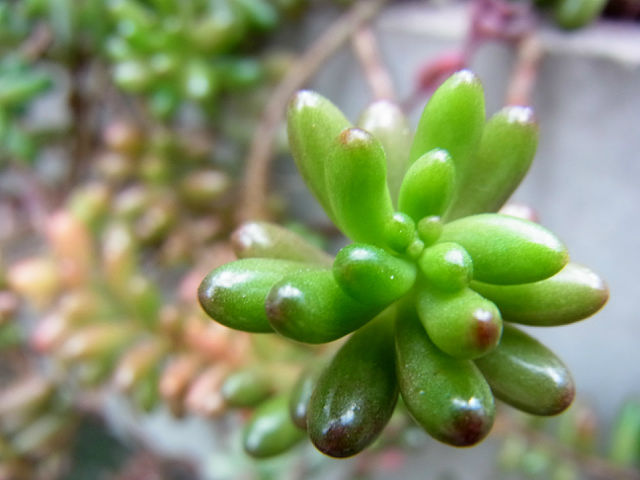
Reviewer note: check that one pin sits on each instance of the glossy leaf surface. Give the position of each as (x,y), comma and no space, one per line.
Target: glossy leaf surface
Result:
(428,186)
(527,375)
(313,122)
(310,307)
(234,294)
(452,120)
(356,394)
(371,275)
(507,250)
(503,157)
(462,324)
(447,397)
(574,293)
(356,178)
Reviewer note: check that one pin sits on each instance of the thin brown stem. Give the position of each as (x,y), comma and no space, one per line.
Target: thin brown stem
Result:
(261,149)
(365,47)
(524,75)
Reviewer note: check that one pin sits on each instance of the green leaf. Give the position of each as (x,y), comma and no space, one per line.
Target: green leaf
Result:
(356,394)
(447,397)
(462,324)
(302,391)
(447,266)
(268,240)
(270,430)
(246,387)
(527,375)
(570,295)
(311,307)
(370,274)
(356,177)
(506,150)
(234,294)
(385,121)
(507,250)
(428,186)
(313,122)
(452,120)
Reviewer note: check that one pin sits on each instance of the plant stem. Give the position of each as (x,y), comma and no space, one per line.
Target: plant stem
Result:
(525,72)
(365,47)
(253,205)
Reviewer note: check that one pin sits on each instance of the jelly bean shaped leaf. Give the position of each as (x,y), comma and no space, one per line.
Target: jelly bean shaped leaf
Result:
(234,294)
(311,307)
(507,250)
(313,122)
(452,120)
(428,185)
(301,393)
(505,152)
(462,324)
(527,375)
(370,274)
(447,266)
(356,394)
(247,387)
(356,179)
(385,121)
(574,293)
(268,240)
(448,397)
(270,430)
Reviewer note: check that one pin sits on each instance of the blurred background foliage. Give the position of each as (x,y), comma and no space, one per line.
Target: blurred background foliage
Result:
(124,129)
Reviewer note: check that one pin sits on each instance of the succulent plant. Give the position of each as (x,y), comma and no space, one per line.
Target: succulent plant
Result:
(433,282)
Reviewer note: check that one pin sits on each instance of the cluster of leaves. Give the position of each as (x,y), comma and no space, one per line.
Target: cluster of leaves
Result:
(175,51)
(426,288)
(105,319)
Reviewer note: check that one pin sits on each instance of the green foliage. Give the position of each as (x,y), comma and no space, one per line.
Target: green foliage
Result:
(443,268)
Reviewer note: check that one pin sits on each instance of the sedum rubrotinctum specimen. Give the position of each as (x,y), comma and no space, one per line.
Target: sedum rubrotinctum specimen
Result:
(431,286)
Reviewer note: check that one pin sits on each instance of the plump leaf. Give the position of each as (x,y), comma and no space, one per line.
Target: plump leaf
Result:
(452,120)
(313,122)
(574,293)
(356,179)
(527,375)
(428,186)
(234,294)
(356,394)
(370,274)
(505,152)
(447,397)
(507,250)
(311,307)
(463,324)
